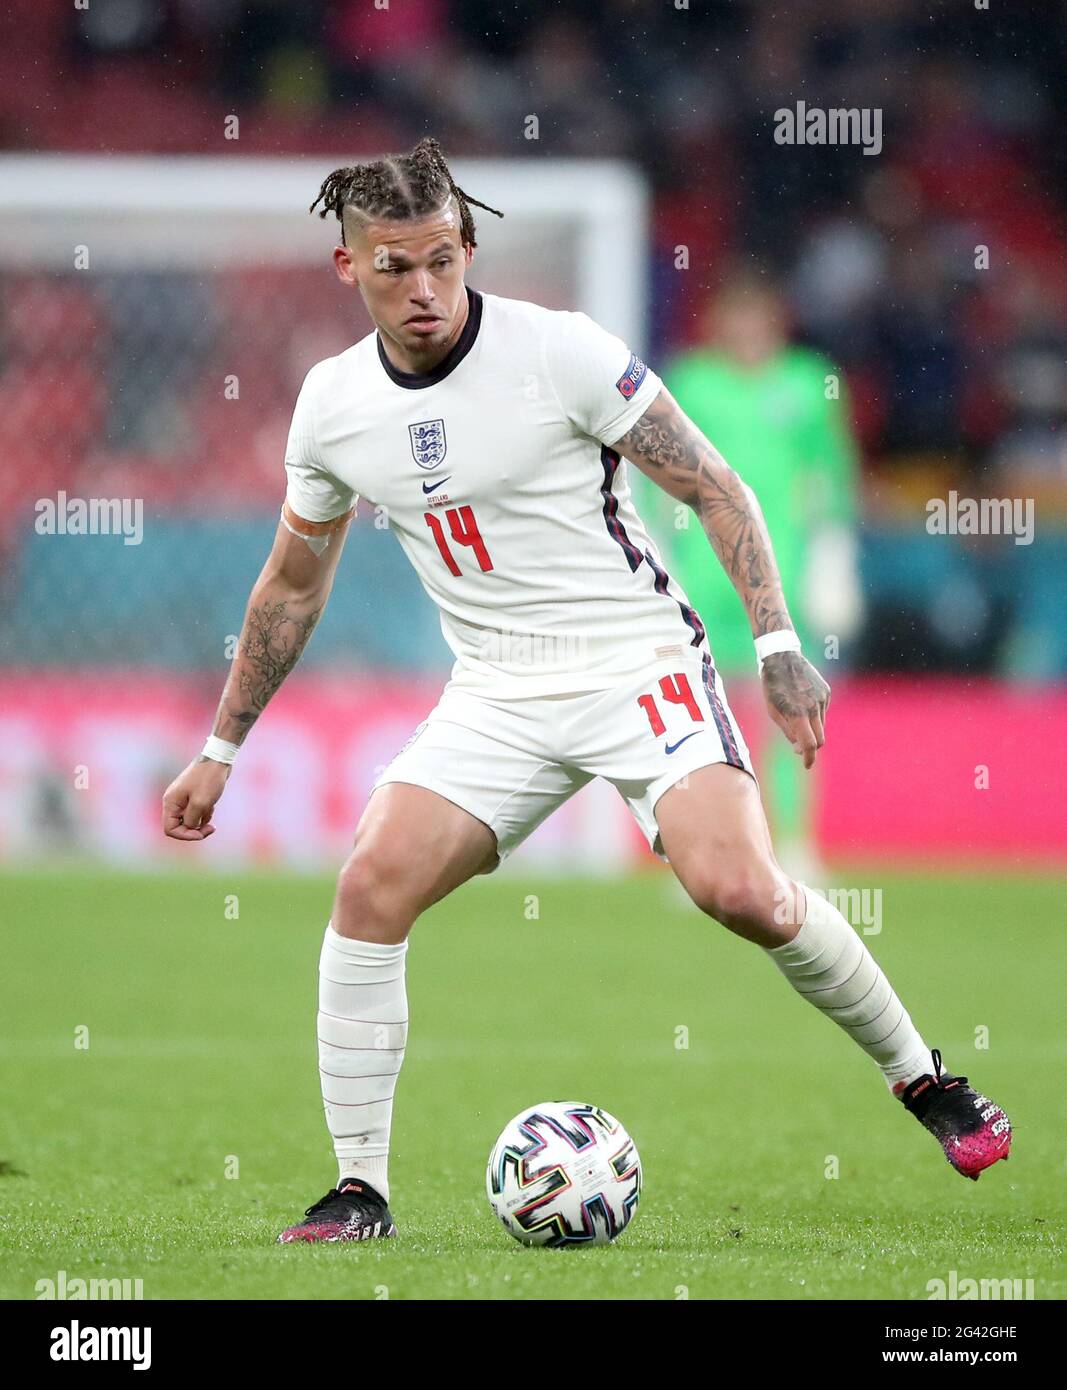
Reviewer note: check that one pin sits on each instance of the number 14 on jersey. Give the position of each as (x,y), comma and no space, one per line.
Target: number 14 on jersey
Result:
(464,531)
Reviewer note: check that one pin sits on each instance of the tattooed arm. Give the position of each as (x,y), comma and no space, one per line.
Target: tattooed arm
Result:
(668,447)
(285,604)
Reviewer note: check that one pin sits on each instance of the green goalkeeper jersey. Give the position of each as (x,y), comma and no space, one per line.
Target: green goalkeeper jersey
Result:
(783,428)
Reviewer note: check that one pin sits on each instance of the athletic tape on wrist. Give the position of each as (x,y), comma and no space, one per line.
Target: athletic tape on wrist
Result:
(218,750)
(770,643)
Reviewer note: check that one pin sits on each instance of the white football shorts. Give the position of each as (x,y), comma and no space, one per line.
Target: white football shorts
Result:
(512,762)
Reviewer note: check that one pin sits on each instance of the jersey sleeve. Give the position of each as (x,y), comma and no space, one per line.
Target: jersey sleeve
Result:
(312,491)
(603,387)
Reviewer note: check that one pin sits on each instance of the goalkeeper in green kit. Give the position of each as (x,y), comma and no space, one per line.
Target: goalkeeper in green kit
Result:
(779,414)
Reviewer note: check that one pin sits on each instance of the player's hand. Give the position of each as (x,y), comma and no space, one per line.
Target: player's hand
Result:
(797,697)
(189,801)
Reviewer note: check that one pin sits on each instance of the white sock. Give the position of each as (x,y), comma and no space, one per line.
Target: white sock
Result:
(828,963)
(362,1022)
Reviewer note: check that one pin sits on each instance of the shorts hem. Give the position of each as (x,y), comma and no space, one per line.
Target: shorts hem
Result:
(663,784)
(410,780)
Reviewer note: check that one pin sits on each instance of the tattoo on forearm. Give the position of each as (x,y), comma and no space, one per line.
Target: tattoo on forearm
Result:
(665,442)
(657,439)
(271,645)
(734,524)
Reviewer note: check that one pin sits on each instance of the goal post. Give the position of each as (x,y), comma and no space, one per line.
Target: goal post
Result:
(574,232)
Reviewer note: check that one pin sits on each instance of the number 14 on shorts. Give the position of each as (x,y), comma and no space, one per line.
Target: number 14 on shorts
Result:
(673,690)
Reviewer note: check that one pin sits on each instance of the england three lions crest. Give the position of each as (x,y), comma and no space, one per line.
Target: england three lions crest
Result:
(428,443)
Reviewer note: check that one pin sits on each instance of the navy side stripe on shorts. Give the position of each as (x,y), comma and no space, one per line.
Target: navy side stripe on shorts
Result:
(722,720)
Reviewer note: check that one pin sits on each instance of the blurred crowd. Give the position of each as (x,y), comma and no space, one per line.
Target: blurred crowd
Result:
(931,276)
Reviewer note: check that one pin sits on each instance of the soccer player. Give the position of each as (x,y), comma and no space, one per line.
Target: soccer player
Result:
(493,433)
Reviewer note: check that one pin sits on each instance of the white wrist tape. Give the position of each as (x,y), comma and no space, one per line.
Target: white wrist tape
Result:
(219,751)
(784,640)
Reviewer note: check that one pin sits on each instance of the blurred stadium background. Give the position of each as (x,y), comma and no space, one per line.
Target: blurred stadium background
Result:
(162,293)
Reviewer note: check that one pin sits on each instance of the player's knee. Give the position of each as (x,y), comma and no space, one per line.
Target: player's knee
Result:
(370,897)
(740,898)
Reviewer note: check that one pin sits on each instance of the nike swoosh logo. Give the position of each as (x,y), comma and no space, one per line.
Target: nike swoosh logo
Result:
(432,487)
(673,747)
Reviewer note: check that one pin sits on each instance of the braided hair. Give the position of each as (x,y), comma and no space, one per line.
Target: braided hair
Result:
(399,186)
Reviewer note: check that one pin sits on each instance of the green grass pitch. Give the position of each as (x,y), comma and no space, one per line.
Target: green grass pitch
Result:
(114,1158)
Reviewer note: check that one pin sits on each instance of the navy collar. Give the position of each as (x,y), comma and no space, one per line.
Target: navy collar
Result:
(416,381)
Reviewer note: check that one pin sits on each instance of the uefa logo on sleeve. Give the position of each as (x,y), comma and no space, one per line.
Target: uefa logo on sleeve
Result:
(632,377)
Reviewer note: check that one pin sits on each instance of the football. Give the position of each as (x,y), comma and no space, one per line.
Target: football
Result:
(564,1173)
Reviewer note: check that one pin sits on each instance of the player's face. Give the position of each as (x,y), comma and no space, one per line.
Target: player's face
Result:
(411,277)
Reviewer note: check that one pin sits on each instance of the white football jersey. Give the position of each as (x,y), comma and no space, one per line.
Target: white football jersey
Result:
(496,472)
